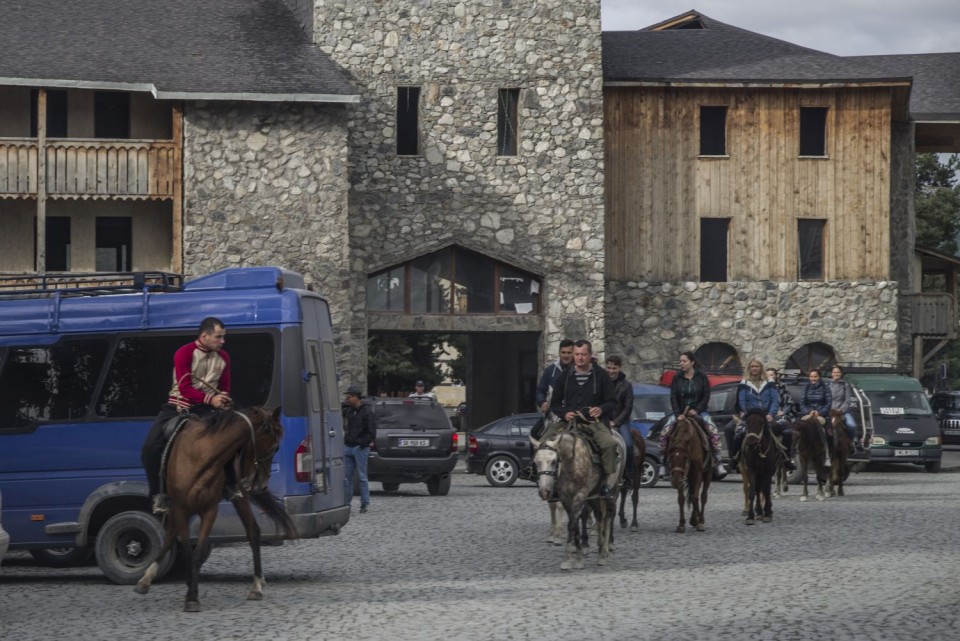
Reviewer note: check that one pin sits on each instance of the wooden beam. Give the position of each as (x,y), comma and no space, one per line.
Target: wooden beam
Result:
(41,239)
(176,260)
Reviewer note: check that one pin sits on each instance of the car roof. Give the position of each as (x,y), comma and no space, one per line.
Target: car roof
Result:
(715,379)
(885,382)
(646,389)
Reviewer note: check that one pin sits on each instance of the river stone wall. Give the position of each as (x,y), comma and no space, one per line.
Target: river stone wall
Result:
(651,323)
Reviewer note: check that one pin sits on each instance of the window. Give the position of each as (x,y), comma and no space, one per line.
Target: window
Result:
(810,249)
(430,283)
(713,249)
(713,131)
(507,123)
(719,358)
(385,290)
(408,121)
(473,291)
(58,244)
(50,383)
(114,240)
(111,114)
(56,113)
(813,131)
(812,356)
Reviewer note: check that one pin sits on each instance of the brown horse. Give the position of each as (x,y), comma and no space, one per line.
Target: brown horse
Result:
(810,454)
(841,450)
(759,457)
(195,480)
(690,471)
(635,477)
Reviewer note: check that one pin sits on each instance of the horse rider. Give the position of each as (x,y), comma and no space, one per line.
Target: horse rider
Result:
(756,391)
(840,394)
(585,386)
(784,417)
(201,386)
(623,391)
(815,403)
(551,372)
(690,396)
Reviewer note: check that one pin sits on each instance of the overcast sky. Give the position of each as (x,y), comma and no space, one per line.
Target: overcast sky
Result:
(842,27)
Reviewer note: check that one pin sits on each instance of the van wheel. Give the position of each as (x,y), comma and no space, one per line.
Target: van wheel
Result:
(127,544)
(795,476)
(439,485)
(932,466)
(61,557)
(390,487)
(650,474)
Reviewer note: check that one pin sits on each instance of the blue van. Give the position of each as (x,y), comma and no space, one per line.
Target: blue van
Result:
(85,364)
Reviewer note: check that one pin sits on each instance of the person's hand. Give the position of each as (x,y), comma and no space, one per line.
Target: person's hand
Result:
(595,412)
(770,418)
(220,401)
(569,416)
(692,413)
(544,406)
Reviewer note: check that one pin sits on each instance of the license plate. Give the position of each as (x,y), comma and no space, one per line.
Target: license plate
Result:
(906,452)
(413,442)
(951,432)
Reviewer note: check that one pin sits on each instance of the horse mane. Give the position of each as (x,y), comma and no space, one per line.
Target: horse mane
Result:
(755,411)
(218,421)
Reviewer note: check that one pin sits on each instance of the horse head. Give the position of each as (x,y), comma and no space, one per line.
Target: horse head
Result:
(266,432)
(678,454)
(546,460)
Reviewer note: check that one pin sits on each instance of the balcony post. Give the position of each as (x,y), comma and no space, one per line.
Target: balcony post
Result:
(176,260)
(41,239)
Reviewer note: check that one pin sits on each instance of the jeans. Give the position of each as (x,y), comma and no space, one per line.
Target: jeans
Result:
(355,458)
(628,444)
(851,425)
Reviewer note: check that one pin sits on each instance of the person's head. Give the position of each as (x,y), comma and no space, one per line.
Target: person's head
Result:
(687,362)
(814,376)
(773,374)
(755,371)
(419,387)
(836,372)
(212,334)
(582,351)
(566,351)
(354,396)
(614,363)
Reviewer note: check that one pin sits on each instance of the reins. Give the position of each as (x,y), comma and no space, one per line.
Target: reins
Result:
(248,481)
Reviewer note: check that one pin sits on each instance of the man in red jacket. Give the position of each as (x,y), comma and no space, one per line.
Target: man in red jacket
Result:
(201,385)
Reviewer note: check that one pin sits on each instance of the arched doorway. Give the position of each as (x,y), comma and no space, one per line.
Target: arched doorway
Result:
(719,358)
(812,356)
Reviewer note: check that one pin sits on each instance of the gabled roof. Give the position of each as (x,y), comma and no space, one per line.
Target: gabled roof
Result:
(186,49)
(695,49)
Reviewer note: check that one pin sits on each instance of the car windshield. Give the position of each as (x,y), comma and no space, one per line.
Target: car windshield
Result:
(411,415)
(651,408)
(948,402)
(899,403)
(720,400)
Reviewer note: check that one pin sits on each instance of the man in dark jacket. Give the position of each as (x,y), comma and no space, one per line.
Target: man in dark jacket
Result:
(623,392)
(584,387)
(551,372)
(359,430)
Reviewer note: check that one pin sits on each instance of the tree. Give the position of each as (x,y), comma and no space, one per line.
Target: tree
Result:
(397,360)
(937,202)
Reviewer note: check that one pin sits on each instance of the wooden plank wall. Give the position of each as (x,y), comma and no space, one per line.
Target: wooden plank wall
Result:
(657,187)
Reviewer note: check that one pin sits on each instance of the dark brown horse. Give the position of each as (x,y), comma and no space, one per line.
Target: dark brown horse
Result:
(841,451)
(810,454)
(635,477)
(759,457)
(195,480)
(690,471)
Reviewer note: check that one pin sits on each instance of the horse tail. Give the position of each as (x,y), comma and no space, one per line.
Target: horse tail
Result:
(275,511)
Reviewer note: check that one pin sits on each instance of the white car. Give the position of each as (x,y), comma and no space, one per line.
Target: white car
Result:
(4,537)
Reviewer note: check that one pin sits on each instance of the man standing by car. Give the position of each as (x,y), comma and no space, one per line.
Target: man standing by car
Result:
(551,372)
(419,391)
(359,431)
(623,392)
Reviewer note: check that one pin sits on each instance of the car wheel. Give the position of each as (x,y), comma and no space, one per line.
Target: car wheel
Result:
(648,477)
(795,476)
(932,466)
(390,487)
(61,557)
(439,485)
(501,471)
(127,544)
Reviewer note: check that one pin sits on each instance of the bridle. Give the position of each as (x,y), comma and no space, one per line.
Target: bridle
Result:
(259,463)
(555,468)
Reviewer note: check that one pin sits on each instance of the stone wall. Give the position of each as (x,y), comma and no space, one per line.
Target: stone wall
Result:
(541,210)
(651,323)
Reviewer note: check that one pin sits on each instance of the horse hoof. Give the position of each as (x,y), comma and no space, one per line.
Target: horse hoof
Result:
(191,606)
(803,499)
(141,589)
(255,596)
(820,498)
(744,512)
(701,527)
(601,561)
(767,519)
(749,522)
(681,529)
(634,528)
(578,565)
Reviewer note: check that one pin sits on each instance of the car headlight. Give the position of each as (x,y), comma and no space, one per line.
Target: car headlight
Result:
(878,440)
(933,440)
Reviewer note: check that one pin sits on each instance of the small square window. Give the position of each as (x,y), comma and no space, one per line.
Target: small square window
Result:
(114,237)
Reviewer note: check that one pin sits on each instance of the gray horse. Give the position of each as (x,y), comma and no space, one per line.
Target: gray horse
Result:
(565,464)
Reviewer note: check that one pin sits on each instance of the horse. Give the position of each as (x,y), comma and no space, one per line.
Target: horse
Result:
(759,457)
(690,470)
(841,451)
(636,476)
(195,479)
(564,463)
(810,454)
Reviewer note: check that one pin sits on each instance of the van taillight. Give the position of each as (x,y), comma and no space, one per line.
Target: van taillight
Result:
(455,444)
(303,462)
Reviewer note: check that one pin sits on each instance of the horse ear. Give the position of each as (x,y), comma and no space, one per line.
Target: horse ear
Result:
(534,442)
(276,414)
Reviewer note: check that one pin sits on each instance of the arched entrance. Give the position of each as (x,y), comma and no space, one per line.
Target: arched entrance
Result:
(719,358)
(812,356)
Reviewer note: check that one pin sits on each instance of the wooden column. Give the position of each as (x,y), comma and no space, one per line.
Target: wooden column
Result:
(41,239)
(176,260)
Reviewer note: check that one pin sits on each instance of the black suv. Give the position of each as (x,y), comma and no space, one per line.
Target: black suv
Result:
(415,444)
(946,407)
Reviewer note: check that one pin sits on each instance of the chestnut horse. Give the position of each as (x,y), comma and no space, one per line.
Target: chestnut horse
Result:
(195,481)
(691,470)
(759,458)
(841,451)
(636,476)
(810,454)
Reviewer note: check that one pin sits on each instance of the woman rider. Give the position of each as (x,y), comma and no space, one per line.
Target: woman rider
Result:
(690,396)
(815,403)
(756,391)
(840,400)
(784,416)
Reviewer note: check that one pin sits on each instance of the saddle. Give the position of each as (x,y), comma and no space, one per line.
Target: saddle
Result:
(170,430)
(702,431)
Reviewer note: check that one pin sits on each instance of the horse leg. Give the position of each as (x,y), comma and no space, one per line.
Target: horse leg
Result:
(634,526)
(768,499)
(169,538)
(683,523)
(804,477)
(242,506)
(704,491)
(745,481)
(820,482)
(585,515)
(752,497)
(196,556)
(623,501)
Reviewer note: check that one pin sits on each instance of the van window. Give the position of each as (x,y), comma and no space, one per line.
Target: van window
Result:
(899,403)
(49,383)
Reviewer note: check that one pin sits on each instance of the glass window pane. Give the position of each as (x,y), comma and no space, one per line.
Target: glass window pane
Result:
(519,292)
(385,290)
(430,283)
(474,288)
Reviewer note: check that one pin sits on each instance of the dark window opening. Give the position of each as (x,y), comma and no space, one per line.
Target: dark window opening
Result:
(810,234)
(719,358)
(713,131)
(713,249)
(111,114)
(507,122)
(408,121)
(385,291)
(58,244)
(812,356)
(114,243)
(56,113)
(813,131)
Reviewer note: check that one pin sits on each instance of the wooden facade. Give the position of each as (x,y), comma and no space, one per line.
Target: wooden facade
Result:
(658,187)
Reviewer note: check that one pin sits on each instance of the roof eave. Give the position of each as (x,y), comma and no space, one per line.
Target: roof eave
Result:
(746,84)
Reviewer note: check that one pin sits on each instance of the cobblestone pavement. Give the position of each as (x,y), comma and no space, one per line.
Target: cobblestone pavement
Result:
(881,563)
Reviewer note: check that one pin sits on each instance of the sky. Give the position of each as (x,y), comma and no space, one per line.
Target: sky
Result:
(841,27)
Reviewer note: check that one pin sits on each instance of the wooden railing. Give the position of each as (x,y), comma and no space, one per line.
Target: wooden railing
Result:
(934,315)
(99,169)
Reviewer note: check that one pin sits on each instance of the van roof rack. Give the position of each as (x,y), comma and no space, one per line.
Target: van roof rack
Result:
(13,286)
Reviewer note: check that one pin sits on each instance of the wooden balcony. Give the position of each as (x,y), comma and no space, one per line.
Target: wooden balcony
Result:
(934,316)
(91,169)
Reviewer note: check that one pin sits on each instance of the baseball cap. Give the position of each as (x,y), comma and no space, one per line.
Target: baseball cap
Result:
(418,383)
(353,389)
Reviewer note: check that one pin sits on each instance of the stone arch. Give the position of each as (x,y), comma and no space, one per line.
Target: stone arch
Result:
(812,356)
(719,357)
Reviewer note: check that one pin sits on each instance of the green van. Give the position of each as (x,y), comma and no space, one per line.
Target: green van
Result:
(905,429)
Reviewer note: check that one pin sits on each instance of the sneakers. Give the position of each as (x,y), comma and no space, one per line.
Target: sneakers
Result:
(363,509)
(161,503)
(721,470)
(604,491)
(826,461)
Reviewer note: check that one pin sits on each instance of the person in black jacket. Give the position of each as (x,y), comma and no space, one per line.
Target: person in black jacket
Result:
(359,431)
(584,387)
(623,391)
(550,373)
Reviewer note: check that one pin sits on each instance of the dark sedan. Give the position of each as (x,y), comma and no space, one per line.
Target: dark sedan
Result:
(501,449)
